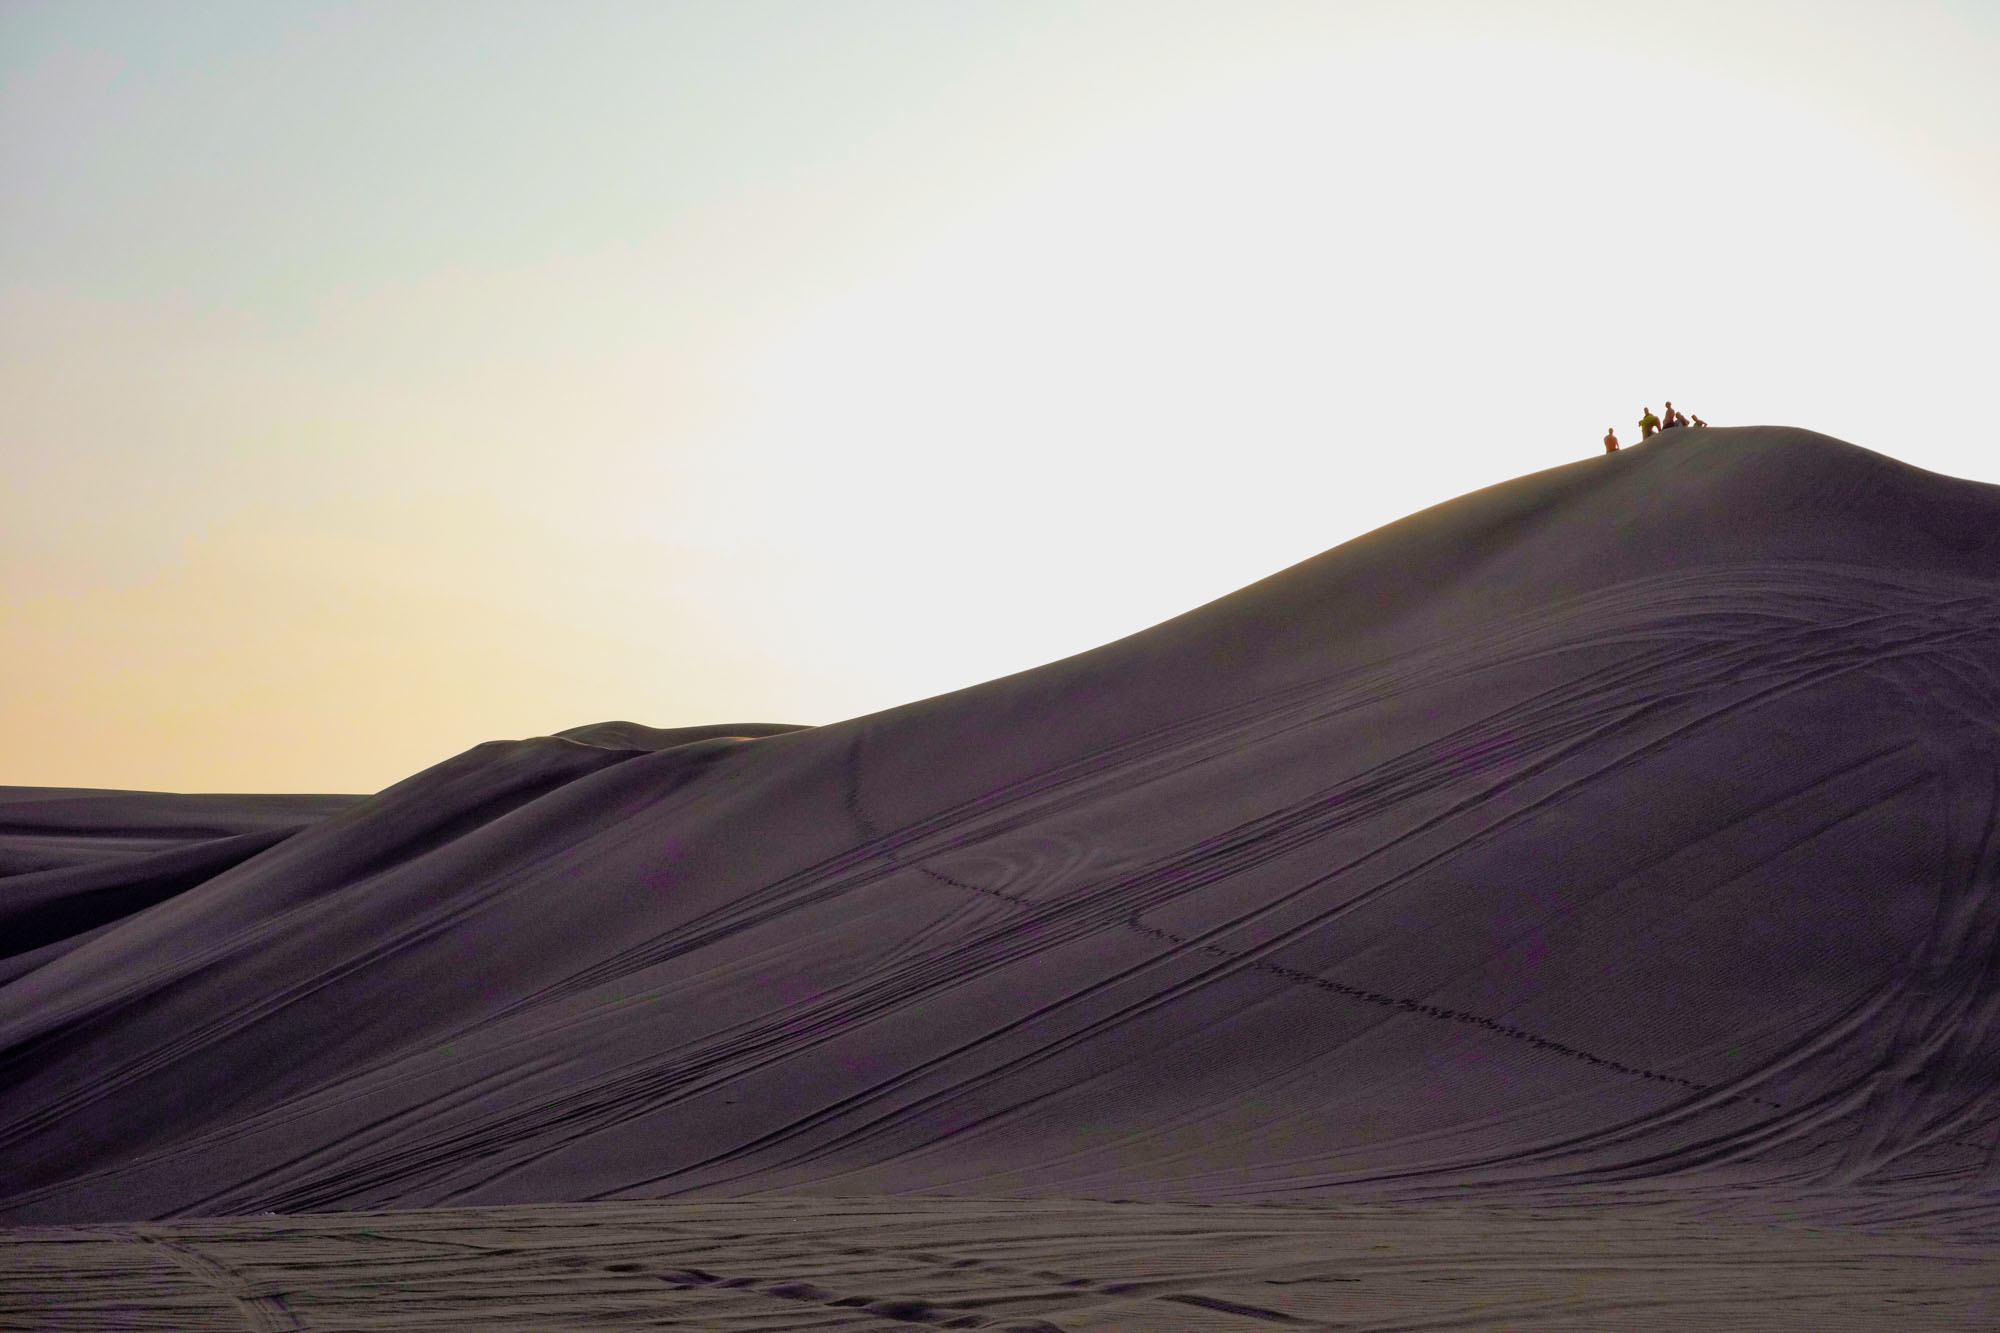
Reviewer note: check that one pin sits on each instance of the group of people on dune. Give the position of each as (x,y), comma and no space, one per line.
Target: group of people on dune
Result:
(1650,425)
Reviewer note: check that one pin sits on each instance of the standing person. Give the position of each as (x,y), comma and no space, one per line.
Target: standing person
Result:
(1647,425)
(1610,440)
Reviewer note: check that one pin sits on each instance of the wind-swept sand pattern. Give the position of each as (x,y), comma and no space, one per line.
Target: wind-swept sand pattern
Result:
(1629,826)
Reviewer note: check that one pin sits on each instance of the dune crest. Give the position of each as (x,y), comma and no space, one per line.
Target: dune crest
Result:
(1634,823)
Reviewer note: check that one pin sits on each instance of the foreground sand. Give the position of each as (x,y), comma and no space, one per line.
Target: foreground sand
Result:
(1073,1266)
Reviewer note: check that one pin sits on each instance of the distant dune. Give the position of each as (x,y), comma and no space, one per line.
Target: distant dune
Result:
(1631,826)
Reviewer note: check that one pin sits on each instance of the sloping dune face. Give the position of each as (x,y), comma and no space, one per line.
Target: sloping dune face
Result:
(1633,822)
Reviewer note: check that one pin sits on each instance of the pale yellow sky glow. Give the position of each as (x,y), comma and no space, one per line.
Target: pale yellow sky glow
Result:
(380,379)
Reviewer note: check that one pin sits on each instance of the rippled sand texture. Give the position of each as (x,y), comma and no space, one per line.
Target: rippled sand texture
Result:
(1632,823)
(1033,1267)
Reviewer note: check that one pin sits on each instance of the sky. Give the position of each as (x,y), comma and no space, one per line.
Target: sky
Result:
(381,379)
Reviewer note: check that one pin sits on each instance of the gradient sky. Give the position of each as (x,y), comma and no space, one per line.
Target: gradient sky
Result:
(378,379)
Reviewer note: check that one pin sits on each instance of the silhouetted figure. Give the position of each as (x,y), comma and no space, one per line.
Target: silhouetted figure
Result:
(1697,422)
(1647,425)
(1610,440)
(1670,418)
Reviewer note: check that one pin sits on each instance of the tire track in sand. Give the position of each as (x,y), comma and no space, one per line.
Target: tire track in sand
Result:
(263,1311)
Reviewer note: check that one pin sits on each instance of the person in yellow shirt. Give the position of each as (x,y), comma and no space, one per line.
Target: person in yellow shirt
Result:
(1647,425)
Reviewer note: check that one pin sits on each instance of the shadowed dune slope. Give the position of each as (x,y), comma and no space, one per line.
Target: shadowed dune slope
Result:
(1629,824)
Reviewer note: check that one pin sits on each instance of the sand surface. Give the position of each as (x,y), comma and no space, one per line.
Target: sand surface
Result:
(1628,826)
(1031,1266)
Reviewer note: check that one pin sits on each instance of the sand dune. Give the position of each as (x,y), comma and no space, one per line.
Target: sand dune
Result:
(1626,827)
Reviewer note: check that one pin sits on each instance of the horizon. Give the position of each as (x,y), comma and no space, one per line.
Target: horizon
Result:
(381,382)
